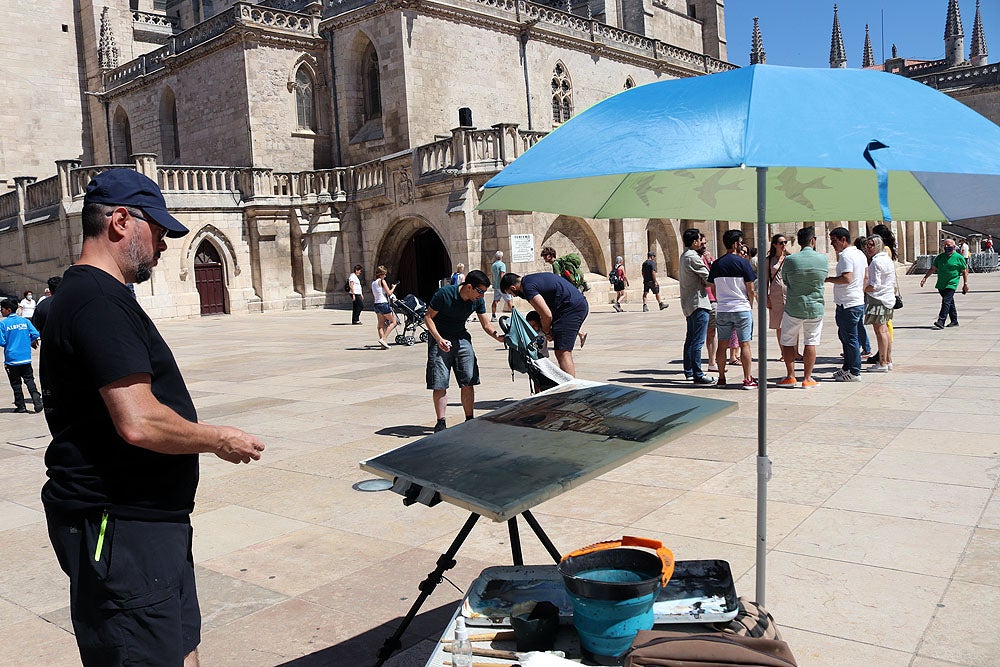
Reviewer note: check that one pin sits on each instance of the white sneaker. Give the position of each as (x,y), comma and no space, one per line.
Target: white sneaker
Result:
(879,368)
(889,365)
(645,308)
(385,345)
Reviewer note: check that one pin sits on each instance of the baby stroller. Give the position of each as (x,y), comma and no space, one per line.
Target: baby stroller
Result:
(410,310)
(522,344)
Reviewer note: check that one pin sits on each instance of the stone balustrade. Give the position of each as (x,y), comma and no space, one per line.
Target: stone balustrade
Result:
(8,207)
(155,20)
(987,75)
(199,179)
(432,158)
(368,177)
(42,194)
(469,150)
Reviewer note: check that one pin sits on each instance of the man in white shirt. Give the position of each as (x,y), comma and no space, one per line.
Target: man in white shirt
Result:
(849,295)
(357,301)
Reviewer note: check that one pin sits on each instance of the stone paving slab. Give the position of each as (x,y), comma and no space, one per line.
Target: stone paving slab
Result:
(884,510)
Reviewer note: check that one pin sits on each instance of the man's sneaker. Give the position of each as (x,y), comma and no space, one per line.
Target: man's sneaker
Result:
(952,324)
(787,382)
(879,368)
(750,384)
(704,379)
(938,325)
(39,407)
(617,307)
(21,409)
(846,376)
(810,384)
(664,306)
(440,426)
(645,308)
(493,318)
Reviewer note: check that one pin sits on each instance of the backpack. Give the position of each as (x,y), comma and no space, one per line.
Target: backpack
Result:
(347,286)
(614,276)
(568,266)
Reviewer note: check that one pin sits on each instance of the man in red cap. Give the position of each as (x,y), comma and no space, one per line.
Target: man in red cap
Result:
(123,461)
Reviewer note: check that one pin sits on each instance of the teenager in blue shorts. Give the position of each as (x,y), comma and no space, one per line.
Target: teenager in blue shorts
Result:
(450,345)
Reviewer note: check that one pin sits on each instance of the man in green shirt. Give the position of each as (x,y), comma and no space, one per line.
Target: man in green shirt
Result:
(804,274)
(949,265)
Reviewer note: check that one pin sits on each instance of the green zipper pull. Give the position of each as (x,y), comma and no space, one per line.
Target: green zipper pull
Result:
(100,537)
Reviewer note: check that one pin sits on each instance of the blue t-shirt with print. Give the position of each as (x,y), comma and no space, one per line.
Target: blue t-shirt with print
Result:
(16,335)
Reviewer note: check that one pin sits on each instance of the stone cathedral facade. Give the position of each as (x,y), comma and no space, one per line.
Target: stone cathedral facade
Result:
(298,138)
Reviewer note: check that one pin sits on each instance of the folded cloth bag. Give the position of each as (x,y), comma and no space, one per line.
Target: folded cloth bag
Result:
(653,648)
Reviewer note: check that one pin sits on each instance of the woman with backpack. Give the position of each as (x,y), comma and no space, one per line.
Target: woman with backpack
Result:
(620,281)
(458,277)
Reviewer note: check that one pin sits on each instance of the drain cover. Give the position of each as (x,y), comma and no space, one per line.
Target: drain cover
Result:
(371,485)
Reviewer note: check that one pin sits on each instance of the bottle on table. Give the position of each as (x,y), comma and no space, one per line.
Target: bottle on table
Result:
(461,647)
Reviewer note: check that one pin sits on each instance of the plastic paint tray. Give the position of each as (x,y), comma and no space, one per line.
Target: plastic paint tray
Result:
(700,591)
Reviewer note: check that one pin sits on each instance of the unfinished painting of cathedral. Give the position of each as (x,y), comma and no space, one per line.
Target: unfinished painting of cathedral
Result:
(299,138)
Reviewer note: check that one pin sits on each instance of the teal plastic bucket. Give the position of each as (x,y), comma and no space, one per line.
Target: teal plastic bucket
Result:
(613,591)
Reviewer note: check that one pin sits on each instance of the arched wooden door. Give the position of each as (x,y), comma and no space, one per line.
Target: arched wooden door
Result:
(209,280)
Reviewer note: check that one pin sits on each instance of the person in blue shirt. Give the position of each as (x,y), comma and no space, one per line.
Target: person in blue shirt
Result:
(17,336)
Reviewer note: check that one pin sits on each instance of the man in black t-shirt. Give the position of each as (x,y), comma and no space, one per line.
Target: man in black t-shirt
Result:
(123,461)
(449,347)
(650,283)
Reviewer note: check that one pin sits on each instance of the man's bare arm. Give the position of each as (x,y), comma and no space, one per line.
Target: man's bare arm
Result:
(141,420)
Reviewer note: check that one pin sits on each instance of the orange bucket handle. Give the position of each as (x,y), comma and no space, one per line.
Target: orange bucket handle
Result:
(665,554)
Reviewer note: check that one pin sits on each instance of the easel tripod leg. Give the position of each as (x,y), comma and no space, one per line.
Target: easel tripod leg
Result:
(427,586)
(542,537)
(515,542)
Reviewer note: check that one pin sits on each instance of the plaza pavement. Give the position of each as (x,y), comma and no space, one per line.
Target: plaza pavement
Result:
(884,530)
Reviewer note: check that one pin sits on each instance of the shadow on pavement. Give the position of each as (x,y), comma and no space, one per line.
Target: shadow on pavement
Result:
(363,649)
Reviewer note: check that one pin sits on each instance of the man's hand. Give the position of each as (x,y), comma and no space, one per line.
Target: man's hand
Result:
(236,446)
(965,288)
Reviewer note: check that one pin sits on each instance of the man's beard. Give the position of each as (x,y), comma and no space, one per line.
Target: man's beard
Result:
(142,266)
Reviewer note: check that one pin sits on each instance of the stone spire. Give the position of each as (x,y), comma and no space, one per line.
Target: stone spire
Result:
(868,60)
(757,54)
(838,56)
(954,36)
(107,49)
(978,52)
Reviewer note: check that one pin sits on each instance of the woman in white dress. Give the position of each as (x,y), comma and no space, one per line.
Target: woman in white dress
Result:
(26,308)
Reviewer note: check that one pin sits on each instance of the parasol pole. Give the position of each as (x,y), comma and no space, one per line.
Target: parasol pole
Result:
(763,463)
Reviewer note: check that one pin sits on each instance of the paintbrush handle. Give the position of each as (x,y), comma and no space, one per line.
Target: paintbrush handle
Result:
(488,653)
(503,635)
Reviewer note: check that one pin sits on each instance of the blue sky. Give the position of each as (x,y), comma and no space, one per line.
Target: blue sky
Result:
(797,32)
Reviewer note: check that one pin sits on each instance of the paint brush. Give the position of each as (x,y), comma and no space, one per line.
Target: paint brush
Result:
(503,635)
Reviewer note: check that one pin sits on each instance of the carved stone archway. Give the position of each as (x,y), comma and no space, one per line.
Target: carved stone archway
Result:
(415,255)
(568,234)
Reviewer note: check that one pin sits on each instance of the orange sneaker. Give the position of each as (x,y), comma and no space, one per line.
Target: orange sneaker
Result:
(810,384)
(787,382)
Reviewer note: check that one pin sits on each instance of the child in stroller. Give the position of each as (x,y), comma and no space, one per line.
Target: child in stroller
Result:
(411,310)
(527,351)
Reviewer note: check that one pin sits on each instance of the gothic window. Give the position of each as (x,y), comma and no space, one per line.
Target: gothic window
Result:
(170,145)
(121,137)
(629,83)
(304,100)
(371,84)
(562,94)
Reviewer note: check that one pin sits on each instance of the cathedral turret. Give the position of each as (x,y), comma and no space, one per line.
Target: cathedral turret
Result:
(868,60)
(838,55)
(978,52)
(954,36)
(757,55)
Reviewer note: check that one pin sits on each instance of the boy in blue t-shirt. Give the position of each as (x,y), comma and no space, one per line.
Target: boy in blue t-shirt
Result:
(18,336)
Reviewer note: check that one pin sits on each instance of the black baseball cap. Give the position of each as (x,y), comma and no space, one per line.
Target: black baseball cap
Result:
(127,187)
